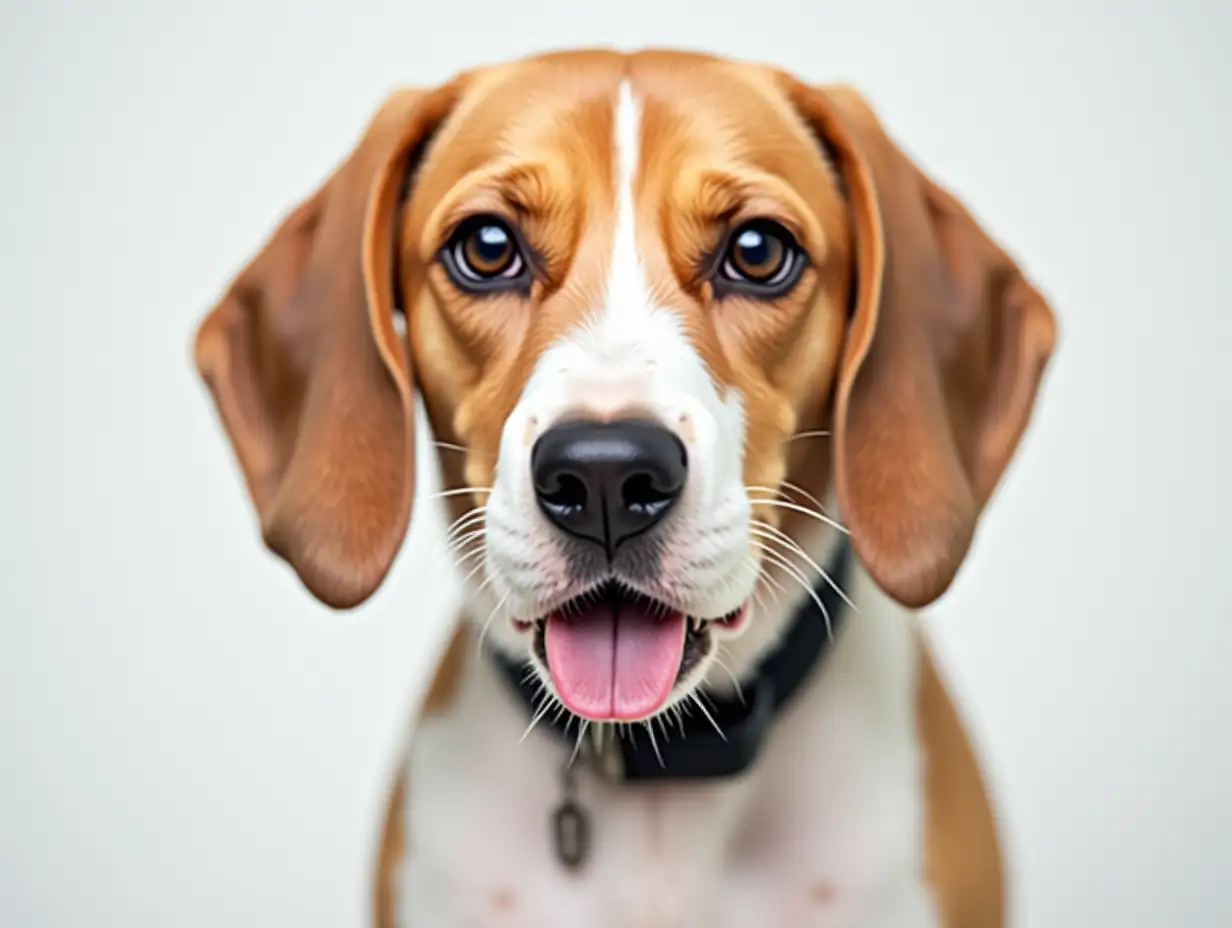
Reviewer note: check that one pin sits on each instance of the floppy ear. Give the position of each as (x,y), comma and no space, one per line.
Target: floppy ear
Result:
(944,356)
(310,378)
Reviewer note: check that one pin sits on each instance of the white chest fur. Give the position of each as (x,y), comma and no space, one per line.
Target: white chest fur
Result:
(826,831)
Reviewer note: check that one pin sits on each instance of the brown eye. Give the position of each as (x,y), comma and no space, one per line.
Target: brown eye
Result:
(761,259)
(484,255)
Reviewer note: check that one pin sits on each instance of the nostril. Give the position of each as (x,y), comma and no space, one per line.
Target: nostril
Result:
(564,492)
(642,493)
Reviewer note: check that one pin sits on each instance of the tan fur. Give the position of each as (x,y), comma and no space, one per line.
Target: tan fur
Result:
(391,852)
(963,862)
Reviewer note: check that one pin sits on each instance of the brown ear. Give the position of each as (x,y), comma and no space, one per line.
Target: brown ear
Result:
(943,360)
(310,378)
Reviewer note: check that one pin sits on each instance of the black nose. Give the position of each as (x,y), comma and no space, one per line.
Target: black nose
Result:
(608,481)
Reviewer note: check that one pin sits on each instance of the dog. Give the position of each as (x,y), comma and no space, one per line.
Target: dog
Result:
(722,382)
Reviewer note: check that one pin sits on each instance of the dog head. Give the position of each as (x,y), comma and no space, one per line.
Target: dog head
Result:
(657,307)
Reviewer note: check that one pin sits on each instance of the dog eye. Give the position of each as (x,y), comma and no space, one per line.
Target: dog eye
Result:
(761,259)
(484,255)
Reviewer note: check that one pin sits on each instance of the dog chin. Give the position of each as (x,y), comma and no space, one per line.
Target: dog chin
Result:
(614,654)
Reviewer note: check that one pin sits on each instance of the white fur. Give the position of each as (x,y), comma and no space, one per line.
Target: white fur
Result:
(826,831)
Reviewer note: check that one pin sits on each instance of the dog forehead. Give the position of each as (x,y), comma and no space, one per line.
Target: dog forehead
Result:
(530,107)
(716,95)
(563,105)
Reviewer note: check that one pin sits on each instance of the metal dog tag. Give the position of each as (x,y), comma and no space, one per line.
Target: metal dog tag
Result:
(571,830)
(570,825)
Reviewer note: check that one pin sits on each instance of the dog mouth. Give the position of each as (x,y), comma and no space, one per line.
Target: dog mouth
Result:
(615,654)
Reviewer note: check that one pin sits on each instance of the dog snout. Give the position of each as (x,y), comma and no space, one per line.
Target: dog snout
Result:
(607,482)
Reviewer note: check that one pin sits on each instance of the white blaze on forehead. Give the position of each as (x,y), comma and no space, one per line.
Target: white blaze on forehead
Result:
(629,329)
(631,351)
(627,291)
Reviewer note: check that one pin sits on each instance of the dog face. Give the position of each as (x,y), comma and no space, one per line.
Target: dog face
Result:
(629,283)
(623,320)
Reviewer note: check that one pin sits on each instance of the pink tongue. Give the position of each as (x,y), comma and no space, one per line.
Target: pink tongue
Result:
(609,667)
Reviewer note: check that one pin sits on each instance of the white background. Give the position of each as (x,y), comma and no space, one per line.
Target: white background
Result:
(187,739)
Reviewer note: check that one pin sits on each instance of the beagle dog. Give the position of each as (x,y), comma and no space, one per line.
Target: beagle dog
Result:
(722,382)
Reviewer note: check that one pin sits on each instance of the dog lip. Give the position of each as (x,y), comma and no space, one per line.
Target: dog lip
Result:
(615,588)
(734,620)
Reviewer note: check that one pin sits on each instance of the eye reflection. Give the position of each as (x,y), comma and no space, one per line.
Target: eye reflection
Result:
(484,255)
(761,259)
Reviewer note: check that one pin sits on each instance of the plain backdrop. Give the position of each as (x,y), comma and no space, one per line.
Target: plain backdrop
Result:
(188,739)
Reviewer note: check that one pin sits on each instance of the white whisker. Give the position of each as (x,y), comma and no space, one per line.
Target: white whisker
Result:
(467,556)
(795,488)
(799,577)
(463,539)
(653,743)
(456,551)
(487,624)
(797,508)
(539,714)
(667,735)
(465,520)
(679,718)
(758,488)
(462,449)
(706,712)
(478,567)
(784,538)
(752,564)
(778,587)
(577,745)
(460,491)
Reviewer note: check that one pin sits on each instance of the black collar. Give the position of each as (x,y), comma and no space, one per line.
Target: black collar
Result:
(700,752)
